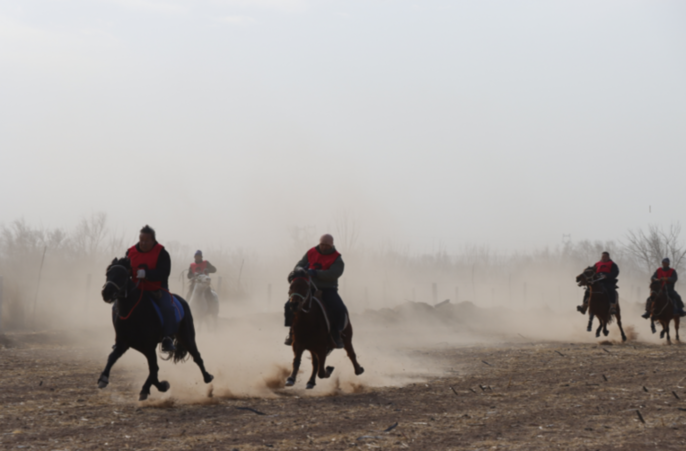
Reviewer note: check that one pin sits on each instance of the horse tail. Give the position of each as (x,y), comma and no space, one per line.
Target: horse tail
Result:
(181,353)
(185,328)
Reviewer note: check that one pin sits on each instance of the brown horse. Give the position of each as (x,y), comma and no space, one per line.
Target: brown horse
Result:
(662,310)
(599,302)
(311,331)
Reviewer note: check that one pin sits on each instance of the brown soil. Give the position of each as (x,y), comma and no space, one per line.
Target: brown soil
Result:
(512,396)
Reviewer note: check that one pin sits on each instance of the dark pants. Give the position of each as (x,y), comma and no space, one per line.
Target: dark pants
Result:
(609,288)
(164,302)
(335,309)
(676,297)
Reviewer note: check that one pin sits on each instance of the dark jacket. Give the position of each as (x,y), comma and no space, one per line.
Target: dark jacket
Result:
(162,269)
(670,281)
(209,269)
(326,278)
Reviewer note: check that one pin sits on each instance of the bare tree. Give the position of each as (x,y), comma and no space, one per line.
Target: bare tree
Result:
(90,234)
(649,248)
(347,231)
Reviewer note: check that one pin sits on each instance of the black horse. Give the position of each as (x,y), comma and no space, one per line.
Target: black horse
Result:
(137,326)
(599,302)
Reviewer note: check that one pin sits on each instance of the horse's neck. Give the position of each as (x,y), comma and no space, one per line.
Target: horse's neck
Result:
(125,304)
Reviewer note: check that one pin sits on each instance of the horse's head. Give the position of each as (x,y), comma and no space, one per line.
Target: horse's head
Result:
(300,289)
(586,278)
(202,280)
(118,278)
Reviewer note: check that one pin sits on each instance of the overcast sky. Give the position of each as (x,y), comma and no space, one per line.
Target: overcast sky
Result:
(507,123)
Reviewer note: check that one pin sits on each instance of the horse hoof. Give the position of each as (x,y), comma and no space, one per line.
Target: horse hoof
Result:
(329,370)
(103,381)
(310,385)
(623,338)
(662,334)
(163,387)
(606,332)
(290,382)
(143,396)
(588,329)
(359,371)
(208,378)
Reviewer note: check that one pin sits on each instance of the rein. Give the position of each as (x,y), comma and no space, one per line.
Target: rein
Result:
(306,299)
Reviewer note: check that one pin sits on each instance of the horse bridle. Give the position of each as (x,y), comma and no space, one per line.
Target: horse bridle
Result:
(306,299)
(109,282)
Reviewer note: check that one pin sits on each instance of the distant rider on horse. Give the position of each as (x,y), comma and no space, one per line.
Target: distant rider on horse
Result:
(610,270)
(151,266)
(324,265)
(668,277)
(199,266)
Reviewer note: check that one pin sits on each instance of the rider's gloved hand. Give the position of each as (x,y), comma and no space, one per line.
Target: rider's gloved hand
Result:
(312,273)
(140,274)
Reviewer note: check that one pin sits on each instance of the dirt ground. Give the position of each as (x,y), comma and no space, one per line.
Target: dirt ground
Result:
(517,395)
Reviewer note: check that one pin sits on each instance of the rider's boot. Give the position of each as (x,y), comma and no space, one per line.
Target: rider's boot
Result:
(289,338)
(168,345)
(582,308)
(336,337)
(649,302)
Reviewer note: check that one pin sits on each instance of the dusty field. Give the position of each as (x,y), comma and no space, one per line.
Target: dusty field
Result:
(523,395)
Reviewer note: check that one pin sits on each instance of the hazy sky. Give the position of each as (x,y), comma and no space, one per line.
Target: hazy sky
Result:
(453,122)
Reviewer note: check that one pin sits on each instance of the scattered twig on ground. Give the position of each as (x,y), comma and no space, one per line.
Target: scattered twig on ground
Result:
(645,389)
(604,349)
(604,377)
(251,410)
(487,363)
(473,391)
(560,353)
(395,425)
(675,395)
(454,391)
(640,417)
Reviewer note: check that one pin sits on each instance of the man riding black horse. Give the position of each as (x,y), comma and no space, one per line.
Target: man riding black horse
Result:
(150,267)
(610,270)
(324,265)
(668,277)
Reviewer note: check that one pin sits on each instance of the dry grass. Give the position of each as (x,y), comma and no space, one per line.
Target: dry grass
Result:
(513,396)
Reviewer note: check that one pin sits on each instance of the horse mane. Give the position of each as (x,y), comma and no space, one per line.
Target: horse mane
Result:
(124,261)
(298,272)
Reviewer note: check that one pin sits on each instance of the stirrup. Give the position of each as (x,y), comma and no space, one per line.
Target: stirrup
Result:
(646,315)
(581,309)
(289,339)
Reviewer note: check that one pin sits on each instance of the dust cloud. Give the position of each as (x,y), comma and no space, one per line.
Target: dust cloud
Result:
(402,306)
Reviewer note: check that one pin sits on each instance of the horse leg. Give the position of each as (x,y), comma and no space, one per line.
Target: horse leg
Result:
(315,367)
(119,350)
(153,369)
(676,327)
(619,323)
(652,325)
(186,337)
(324,371)
(590,322)
(600,327)
(348,343)
(669,341)
(298,351)
(605,331)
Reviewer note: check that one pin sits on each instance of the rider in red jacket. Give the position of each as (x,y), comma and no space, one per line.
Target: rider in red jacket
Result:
(610,270)
(324,265)
(151,266)
(668,277)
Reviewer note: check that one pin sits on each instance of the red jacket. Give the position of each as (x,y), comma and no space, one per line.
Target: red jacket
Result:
(145,260)
(317,260)
(199,268)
